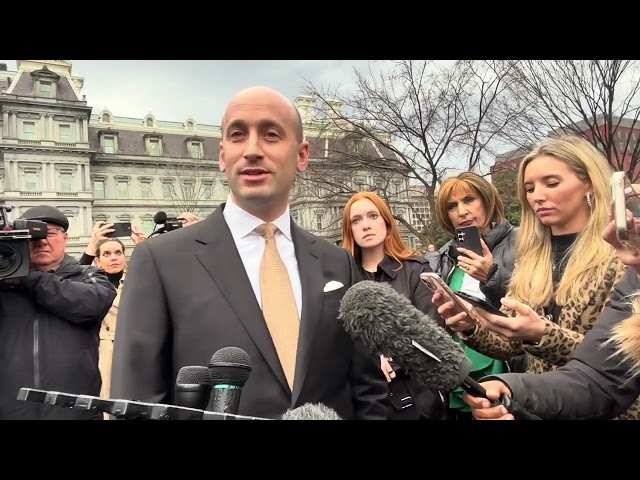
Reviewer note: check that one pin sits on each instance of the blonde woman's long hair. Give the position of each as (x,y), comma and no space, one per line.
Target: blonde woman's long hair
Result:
(590,256)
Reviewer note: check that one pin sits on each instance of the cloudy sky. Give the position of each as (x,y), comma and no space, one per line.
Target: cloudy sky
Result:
(176,89)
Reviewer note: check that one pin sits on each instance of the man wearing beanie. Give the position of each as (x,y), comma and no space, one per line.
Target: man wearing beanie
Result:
(49,325)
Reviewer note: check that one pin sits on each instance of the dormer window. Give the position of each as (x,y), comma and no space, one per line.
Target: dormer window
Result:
(45,82)
(106,118)
(109,141)
(153,144)
(196,149)
(45,89)
(149,122)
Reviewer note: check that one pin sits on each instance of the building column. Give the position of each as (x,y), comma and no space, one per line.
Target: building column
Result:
(16,176)
(52,177)
(15,125)
(7,126)
(87,179)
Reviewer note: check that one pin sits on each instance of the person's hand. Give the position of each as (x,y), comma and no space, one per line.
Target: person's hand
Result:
(387,369)
(138,235)
(98,233)
(481,407)
(526,325)
(454,316)
(475,265)
(629,251)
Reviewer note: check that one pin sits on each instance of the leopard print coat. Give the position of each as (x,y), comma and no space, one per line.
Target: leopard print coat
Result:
(560,340)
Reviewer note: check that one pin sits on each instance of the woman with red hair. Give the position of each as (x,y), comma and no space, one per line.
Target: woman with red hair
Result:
(370,233)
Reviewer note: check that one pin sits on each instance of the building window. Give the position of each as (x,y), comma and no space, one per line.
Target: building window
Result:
(65,133)
(98,188)
(187,190)
(147,225)
(196,151)
(106,118)
(29,130)
(154,148)
(109,145)
(123,189)
(208,190)
(66,182)
(318,221)
(166,191)
(30,181)
(145,190)
(45,89)
(149,122)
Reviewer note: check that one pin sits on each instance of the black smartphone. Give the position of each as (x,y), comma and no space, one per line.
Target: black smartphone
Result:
(478,302)
(469,238)
(120,229)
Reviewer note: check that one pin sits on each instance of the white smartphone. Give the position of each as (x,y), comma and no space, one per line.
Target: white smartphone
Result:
(435,283)
(623,199)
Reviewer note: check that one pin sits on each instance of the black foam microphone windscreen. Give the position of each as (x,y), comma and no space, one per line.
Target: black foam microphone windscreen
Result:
(193,387)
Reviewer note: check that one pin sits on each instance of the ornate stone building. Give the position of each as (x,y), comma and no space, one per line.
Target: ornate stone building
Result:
(99,166)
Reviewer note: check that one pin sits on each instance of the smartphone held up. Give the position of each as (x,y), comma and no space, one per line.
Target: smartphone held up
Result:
(626,210)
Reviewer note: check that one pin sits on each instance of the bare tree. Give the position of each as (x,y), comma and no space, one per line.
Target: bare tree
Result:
(187,186)
(595,99)
(422,120)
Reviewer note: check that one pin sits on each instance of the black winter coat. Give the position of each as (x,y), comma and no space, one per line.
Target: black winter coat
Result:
(597,383)
(410,400)
(49,337)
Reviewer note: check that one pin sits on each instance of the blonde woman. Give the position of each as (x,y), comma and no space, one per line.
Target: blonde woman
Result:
(603,380)
(565,273)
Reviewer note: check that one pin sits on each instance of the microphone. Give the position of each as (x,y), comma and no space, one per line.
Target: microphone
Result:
(229,369)
(193,387)
(386,322)
(160,218)
(311,411)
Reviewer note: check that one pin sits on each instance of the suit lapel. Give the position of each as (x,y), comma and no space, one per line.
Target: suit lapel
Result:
(219,256)
(312,280)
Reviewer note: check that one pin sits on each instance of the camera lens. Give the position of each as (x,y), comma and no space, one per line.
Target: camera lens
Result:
(9,259)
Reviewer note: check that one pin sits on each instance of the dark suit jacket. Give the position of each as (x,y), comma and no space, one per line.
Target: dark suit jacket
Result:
(187,295)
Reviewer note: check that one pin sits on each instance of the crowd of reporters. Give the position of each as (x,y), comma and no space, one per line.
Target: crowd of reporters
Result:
(564,344)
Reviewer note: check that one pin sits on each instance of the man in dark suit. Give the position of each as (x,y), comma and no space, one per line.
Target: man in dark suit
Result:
(196,290)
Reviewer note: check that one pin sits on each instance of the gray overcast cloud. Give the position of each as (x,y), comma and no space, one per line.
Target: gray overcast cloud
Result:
(176,89)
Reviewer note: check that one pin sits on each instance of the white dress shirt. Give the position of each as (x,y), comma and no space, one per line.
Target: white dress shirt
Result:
(251,246)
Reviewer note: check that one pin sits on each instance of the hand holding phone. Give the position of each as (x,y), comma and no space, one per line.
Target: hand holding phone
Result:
(434,283)
(480,303)
(626,208)
(120,229)
(470,238)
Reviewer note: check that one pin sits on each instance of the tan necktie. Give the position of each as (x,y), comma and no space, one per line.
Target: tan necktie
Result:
(278,303)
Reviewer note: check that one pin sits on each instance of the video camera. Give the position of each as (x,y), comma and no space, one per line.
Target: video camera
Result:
(15,259)
(168,223)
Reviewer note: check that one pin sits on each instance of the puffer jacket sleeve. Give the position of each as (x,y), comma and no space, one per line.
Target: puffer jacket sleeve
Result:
(504,257)
(83,297)
(597,383)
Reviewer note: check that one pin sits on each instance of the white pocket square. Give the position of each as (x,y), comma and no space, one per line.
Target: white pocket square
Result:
(332,285)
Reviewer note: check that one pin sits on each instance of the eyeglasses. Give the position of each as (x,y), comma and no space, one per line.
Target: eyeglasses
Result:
(53,231)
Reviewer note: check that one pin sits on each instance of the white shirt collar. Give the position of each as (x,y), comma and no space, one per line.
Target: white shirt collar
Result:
(241,223)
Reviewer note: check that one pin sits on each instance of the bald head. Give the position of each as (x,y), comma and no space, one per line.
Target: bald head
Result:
(264,95)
